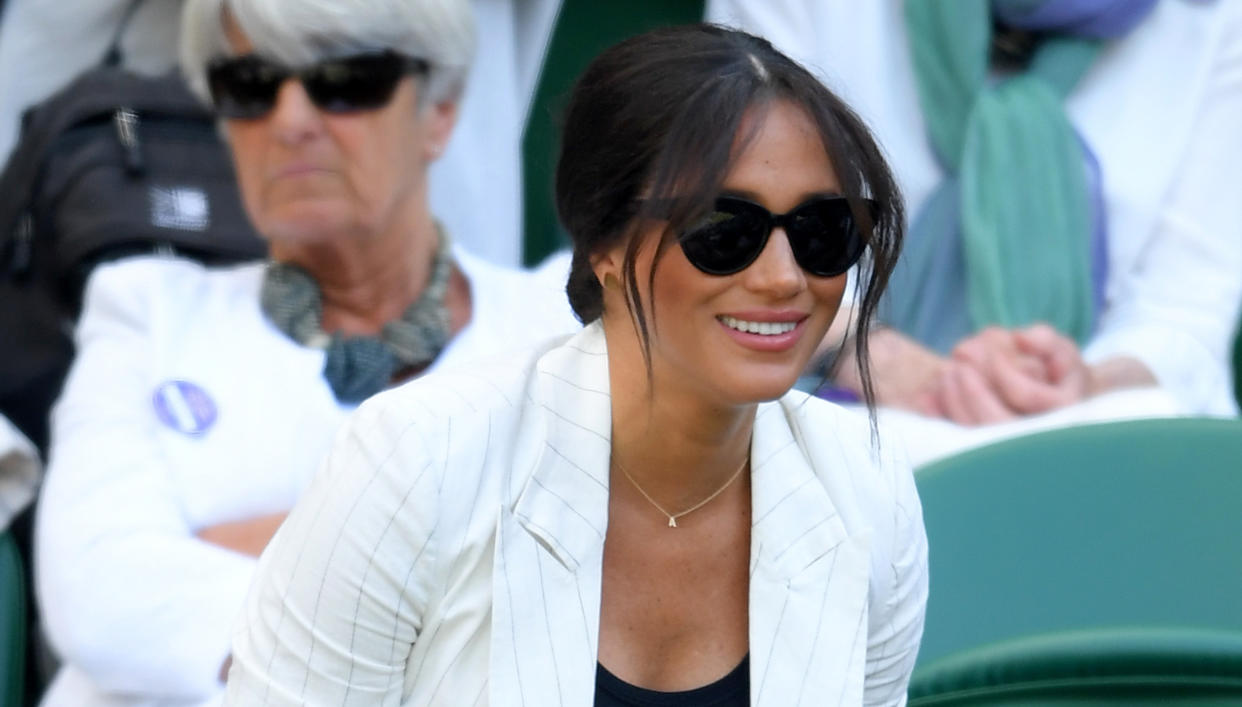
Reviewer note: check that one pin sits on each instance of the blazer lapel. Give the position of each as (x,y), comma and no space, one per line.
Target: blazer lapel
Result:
(808,581)
(550,542)
(809,578)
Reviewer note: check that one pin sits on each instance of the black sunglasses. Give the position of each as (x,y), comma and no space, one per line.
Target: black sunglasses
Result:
(822,234)
(245,87)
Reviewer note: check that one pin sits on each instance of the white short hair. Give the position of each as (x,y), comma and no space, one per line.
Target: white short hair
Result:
(300,32)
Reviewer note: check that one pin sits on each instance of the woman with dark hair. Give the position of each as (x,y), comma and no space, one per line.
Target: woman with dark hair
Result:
(643,514)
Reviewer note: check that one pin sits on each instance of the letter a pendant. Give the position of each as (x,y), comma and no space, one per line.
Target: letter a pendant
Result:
(672,522)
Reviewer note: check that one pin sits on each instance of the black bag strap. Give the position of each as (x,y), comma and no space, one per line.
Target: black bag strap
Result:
(98,92)
(114,56)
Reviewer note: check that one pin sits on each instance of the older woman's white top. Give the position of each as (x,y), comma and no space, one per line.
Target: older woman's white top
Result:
(186,408)
(450,551)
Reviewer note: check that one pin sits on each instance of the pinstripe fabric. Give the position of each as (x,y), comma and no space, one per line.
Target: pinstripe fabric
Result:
(451,551)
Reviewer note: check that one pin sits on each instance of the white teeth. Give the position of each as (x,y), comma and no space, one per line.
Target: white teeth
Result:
(762,328)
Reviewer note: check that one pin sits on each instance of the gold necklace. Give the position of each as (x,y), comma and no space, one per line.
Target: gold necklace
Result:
(672,517)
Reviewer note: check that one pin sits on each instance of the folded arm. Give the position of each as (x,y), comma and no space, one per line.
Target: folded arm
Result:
(129,594)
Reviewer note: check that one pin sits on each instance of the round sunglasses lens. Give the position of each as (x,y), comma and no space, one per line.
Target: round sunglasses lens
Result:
(824,237)
(725,241)
(354,83)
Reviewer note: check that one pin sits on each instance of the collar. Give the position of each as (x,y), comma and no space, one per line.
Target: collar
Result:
(809,579)
(564,502)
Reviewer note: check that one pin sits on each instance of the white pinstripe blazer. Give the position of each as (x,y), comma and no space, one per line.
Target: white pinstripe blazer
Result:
(450,552)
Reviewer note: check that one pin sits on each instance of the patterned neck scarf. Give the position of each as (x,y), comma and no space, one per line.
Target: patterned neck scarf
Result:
(357,367)
(1016,232)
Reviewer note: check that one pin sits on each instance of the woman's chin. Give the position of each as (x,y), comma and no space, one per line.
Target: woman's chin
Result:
(762,386)
(306,226)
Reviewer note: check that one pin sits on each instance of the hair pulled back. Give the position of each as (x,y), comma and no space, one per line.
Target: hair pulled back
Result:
(649,135)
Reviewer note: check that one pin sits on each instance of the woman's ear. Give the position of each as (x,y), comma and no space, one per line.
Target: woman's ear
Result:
(608,267)
(441,117)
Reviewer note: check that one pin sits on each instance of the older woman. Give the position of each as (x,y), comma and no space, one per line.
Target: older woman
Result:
(644,514)
(202,399)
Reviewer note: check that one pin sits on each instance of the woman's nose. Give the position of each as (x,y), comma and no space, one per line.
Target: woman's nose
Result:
(295,117)
(775,272)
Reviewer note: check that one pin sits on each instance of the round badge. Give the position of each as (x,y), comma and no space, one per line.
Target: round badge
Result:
(184,406)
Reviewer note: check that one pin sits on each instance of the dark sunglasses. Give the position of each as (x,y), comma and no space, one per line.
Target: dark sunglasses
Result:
(822,234)
(245,87)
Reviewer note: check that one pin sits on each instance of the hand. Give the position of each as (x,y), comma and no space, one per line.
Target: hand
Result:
(1067,378)
(995,351)
(1070,379)
(1000,374)
(248,537)
(964,395)
(903,371)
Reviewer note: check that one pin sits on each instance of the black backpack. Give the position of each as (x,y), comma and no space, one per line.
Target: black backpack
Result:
(114,164)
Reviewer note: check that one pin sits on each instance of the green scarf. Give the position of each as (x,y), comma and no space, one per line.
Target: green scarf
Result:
(1016,192)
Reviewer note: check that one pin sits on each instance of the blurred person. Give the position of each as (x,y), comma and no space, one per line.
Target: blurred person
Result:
(1071,167)
(44,45)
(645,513)
(201,400)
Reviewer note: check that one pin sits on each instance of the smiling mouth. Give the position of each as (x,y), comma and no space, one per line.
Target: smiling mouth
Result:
(761,328)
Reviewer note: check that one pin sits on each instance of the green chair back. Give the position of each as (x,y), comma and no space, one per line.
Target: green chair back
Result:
(1237,364)
(1114,666)
(1119,538)
(12,623)
(583,29)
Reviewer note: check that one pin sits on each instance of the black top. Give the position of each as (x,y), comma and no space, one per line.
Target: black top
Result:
(732,690)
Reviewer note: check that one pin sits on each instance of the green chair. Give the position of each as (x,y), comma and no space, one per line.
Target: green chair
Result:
(1094,565)
(12,623)
(1237,364)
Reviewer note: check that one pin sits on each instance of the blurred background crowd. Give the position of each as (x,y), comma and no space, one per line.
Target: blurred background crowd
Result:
(1058,350)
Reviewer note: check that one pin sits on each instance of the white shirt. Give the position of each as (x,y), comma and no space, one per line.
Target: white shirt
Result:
(1160,108)
(450,553)
(186,408)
